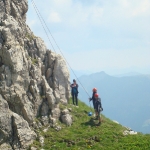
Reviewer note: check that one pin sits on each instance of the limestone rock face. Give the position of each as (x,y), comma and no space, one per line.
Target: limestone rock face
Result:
(33,79)
(15,8)
(5,121)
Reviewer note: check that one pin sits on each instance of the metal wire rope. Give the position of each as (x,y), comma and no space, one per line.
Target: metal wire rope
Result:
(42,23)
(41,19)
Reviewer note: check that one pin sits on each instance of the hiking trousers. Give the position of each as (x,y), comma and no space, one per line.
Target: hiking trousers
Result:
(94,106)
(75,99)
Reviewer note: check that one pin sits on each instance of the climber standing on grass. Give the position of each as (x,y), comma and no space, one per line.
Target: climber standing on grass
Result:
(98,108)
(74,92)
(93,98)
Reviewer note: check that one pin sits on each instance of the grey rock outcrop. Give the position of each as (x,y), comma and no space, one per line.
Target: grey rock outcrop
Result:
(33,79)
(66,117)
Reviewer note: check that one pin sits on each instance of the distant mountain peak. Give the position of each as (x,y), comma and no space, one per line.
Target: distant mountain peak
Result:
(100,74)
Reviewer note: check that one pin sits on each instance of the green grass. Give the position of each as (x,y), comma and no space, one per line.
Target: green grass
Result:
(83,134)
(34,61)
(30,36)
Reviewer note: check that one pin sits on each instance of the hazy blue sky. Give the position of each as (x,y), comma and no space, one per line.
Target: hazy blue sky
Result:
(98,35)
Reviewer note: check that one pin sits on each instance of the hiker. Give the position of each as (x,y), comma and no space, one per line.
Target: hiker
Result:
(98,108)
(74,92)
(93,98)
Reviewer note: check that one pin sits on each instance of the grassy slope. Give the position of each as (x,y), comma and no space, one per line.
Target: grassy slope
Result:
(83,134)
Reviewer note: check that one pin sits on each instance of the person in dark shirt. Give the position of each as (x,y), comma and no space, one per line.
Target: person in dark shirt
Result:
(98,108)
(93,98)
(74,92)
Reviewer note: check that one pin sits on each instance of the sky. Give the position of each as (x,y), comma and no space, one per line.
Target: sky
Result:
(97,35)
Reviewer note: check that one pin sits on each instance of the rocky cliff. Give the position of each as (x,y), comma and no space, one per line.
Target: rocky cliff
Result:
(33,79)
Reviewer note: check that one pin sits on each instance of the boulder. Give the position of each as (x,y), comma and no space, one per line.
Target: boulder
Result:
(65,111)
(67,119)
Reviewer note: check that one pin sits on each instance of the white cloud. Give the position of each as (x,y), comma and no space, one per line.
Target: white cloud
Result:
(115,34)
(76,14)
(73,14)
(142,9)
(124,3)
(62,3)
(54,17)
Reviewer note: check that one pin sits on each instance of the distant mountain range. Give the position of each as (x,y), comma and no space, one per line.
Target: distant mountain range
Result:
(125,99)
(128,74)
